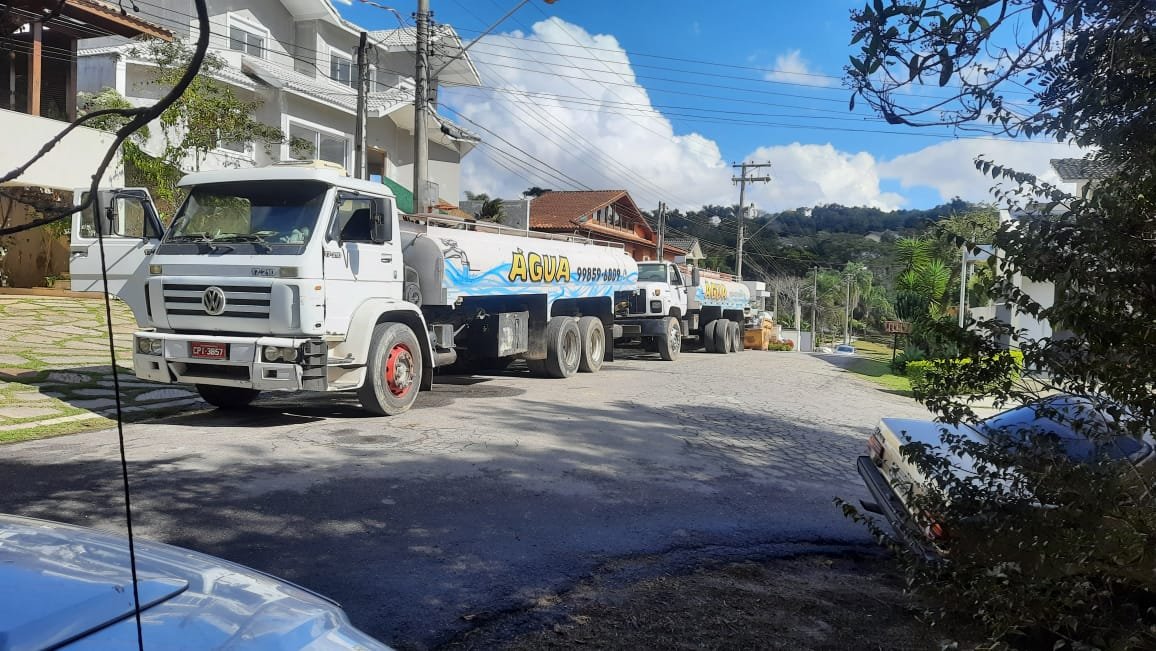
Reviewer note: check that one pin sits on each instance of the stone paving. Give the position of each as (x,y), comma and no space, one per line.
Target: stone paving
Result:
(55,366)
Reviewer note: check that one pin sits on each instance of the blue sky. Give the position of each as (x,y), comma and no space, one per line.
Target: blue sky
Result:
(659,98)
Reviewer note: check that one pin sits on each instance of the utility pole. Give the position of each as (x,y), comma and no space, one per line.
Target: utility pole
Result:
(742,180)
(847,312)
(420,106)
(798,315)
(814,308)
(775,287)
(962,285)
(661,230)
(359,137)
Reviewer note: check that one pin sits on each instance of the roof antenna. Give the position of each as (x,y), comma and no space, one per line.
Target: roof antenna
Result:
(100,226)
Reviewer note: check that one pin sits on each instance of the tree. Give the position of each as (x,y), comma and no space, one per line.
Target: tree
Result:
(536,192)
(1089,71)
(207,114)
(491,209)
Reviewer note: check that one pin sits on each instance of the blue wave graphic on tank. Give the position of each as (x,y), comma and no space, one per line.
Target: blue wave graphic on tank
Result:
(730,302)
(460,281)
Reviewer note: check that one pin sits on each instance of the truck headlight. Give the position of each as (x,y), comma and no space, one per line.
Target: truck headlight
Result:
(278,354)
(656,306)
(149,346)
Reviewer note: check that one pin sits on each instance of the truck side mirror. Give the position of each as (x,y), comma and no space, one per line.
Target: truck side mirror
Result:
(694,277)
(380,233)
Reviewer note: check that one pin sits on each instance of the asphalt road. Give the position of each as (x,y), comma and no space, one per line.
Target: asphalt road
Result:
(495,492)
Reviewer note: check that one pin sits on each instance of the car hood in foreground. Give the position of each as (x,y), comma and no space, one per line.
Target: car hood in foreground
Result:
(66,585)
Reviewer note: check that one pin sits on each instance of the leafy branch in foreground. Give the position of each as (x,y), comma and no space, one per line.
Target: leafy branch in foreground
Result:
(1050,550)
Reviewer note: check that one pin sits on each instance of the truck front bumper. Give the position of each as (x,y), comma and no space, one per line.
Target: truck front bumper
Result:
(241,363)
(654,326)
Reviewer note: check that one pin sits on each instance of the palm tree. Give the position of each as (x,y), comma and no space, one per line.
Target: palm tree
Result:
(491,209)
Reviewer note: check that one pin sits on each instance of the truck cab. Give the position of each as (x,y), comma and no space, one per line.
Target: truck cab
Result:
(662,291)
(259,282)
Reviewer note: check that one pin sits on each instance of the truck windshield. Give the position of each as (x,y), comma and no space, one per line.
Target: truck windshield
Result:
(651,273)
(269,212)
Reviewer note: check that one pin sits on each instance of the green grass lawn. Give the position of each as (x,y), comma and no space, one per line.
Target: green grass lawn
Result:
(873,361)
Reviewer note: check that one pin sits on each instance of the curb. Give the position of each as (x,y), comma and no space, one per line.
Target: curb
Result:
(48,292)
(103,413)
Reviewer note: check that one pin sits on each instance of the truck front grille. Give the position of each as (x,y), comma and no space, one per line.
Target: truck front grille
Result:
(638,303)
(241,301)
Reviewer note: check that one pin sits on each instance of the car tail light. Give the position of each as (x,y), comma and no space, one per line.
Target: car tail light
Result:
(875,446)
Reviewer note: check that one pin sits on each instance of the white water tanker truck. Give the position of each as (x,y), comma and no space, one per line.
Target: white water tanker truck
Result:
(298,277)
(675,305)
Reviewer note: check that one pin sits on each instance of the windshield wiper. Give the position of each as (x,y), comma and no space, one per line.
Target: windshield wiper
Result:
(191,237)
(258,242)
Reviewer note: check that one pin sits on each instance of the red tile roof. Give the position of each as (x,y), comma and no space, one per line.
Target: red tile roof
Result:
(562,209)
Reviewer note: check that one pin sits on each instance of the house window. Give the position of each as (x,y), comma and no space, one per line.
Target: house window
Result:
(340,69)
(234,146)
(324,146)
(247,38)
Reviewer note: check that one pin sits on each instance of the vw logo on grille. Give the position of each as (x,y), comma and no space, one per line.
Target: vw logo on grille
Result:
(213,300)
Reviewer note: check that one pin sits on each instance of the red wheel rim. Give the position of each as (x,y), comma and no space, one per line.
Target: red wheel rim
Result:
(399,370)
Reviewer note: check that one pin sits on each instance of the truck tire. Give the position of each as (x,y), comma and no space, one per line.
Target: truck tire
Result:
(563,347)
(736,337)
(593,336)
(670,345)
(393,375)
(722,334)
(227,397)
(708,336)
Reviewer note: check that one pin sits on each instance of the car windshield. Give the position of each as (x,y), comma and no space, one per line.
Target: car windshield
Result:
(651,273)
(1082,432)
(282,212)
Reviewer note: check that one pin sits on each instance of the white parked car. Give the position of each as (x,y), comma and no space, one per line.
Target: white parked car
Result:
(892,480)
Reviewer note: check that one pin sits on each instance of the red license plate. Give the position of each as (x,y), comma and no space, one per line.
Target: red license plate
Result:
(205,350)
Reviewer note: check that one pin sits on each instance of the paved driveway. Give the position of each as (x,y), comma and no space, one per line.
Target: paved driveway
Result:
(494,491)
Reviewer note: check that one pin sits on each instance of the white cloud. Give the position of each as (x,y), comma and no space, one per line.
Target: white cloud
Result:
(793,68)
(948,167)
(808,175)
(595,133)
(574,122)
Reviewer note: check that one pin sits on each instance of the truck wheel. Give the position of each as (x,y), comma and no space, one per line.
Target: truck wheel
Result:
(227,397)
(670,345)
(563,347)
(393,374)
(736,337)
(707,336)
(722,334)
(593,336)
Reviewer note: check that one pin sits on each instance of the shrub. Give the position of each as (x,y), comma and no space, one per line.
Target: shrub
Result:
(785,344)
(1005,366)
(907,355)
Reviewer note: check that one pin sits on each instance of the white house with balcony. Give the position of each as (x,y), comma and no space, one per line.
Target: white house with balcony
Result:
(1080,172)
(297,58)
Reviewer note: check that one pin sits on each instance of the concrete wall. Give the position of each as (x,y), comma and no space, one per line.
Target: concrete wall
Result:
(69,165)
(517,212)
(95,73)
